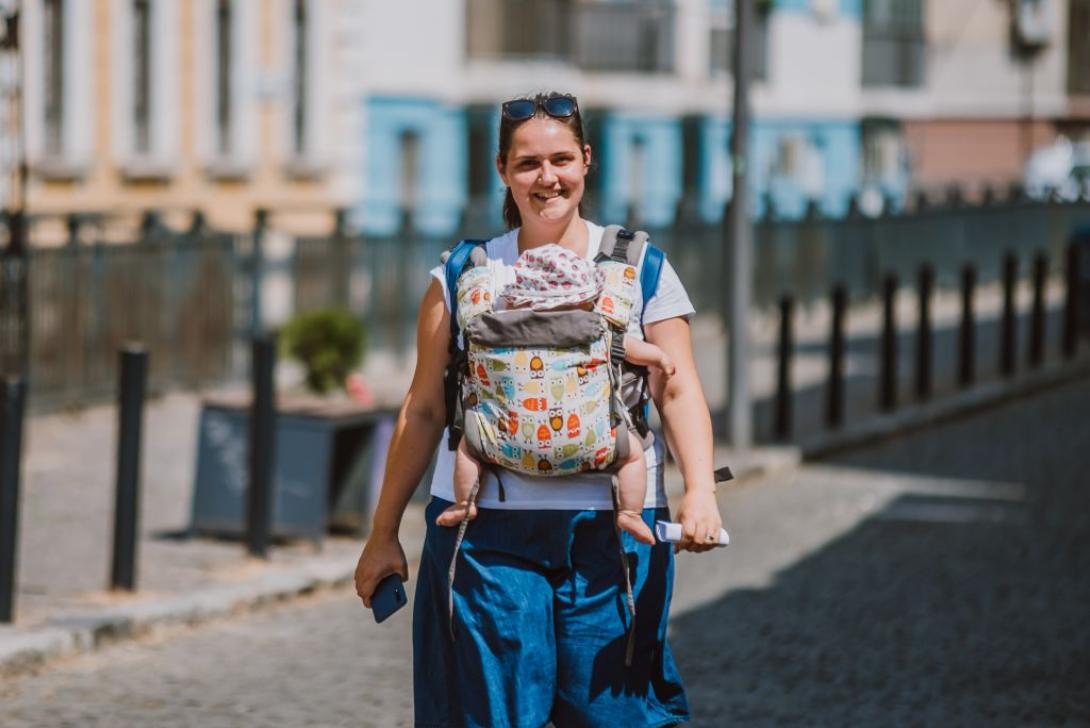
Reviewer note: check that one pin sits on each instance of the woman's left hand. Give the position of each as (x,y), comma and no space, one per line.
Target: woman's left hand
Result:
(699,519)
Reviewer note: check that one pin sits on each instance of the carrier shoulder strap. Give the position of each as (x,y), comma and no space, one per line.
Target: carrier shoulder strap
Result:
(626,246)
(453,265)
(452,269)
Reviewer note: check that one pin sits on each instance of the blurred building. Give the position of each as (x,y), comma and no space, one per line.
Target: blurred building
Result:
(304,106)
(875,97)
(215,105)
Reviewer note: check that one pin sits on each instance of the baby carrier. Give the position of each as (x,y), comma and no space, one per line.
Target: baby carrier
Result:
(547,393)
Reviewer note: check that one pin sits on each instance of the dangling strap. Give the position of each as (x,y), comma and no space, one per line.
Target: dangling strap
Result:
(473,495)
(630,647)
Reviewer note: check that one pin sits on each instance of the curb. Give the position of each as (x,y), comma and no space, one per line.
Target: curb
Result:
(916,417)
(28,649)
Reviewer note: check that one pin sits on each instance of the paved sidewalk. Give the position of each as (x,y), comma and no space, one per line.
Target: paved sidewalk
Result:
(66,525)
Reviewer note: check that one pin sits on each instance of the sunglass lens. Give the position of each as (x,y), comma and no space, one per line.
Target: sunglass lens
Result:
(562,106)
(519,109)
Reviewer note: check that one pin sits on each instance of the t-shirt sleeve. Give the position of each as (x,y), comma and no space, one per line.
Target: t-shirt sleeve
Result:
(670,299)
(439,274)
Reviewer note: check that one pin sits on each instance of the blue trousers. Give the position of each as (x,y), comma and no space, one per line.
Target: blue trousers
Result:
(541,624)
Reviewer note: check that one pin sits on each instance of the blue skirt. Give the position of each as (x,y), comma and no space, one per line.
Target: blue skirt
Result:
(541,624)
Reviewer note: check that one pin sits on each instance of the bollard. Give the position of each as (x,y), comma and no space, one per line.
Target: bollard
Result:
(12,404)
(1037,324)
(834,404)
(257,269)
(262,441)
(887,394)
(132,384)
(923,332)
(1071,309)
(1008,342)
(967,339)
(786,353)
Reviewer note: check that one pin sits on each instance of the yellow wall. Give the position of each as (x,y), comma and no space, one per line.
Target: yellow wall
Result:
(299,204)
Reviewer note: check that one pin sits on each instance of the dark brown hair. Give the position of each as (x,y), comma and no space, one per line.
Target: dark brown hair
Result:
(574,123)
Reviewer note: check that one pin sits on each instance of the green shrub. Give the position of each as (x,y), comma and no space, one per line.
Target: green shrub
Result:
(328,342)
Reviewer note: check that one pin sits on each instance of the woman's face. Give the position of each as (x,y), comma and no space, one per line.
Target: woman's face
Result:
(545,169)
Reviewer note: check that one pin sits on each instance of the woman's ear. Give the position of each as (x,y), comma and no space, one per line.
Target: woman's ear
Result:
(586,158)
(501,169)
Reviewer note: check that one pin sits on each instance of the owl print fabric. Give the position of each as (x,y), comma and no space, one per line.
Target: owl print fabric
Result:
(545,410)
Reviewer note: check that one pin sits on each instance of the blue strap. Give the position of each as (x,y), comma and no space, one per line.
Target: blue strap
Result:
(649,276)
(455,264)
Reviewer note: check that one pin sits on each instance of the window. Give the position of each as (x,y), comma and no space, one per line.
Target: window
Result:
(410,154)
(893,43)
(54,76)
(1078,47)
(302,71)
(224,22)
(141,98)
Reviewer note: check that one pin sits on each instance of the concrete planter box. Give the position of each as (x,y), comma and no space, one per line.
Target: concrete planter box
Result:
(328,464)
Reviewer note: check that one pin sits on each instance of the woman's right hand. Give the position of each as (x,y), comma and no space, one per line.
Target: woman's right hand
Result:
(380,558)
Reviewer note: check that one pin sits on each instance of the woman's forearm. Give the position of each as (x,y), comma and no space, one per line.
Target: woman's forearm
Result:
(411,447)
(688,429)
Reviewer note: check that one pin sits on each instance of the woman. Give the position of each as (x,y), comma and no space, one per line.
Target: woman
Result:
(541,626)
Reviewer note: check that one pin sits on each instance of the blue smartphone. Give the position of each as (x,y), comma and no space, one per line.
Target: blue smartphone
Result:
(389,597)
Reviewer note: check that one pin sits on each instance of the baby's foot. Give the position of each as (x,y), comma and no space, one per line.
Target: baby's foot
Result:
(632,523)
(455,514)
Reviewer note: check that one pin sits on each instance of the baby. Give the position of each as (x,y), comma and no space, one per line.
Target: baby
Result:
(552,278)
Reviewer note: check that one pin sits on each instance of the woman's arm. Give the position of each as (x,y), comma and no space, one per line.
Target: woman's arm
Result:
(419,427)
(688,429)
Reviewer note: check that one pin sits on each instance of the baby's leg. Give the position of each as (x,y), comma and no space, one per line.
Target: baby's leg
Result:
(644,353)
(632,487)
(466,472)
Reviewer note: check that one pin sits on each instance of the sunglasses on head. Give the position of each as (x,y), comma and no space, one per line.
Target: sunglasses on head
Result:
(557,106)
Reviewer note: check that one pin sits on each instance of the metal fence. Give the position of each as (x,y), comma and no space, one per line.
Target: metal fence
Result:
(192,297)
(175,293)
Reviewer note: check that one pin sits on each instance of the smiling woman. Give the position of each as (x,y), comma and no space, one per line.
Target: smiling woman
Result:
(539,625)
(550,160)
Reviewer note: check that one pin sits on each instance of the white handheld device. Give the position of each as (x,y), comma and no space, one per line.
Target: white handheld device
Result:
(671,533)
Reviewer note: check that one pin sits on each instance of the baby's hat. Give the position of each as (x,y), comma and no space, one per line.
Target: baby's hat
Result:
(550,277)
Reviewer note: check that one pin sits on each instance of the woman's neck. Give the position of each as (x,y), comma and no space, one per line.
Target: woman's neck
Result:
(572,235)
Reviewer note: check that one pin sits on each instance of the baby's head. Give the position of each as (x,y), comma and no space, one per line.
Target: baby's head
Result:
(552,278)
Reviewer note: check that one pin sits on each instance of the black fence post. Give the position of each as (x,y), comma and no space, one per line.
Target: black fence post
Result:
(257,270)
(342,271)
(262,442)
(14,298)
(967,338)
(1008,343)
(1071,309)
(12,404)
(923,335)
(834,405)
(1037,325)
(786,354)
(888,378)
(132,384)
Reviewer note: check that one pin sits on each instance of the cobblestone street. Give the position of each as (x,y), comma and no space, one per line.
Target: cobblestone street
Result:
(935,579)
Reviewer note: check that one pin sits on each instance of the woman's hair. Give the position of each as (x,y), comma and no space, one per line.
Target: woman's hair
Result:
(574,123)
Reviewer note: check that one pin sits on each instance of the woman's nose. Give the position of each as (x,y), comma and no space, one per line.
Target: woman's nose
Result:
(548,174)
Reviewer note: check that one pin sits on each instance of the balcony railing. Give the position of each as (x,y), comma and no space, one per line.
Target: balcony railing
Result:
(634,36)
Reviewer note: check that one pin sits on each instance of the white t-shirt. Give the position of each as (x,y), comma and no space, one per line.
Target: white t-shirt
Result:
(586,491)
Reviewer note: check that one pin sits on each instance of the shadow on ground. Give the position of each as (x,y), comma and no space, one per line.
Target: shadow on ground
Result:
(933,610)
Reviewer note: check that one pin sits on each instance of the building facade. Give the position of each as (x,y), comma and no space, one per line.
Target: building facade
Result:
(388,108)
(222,106)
